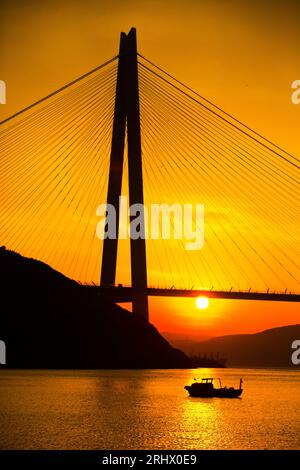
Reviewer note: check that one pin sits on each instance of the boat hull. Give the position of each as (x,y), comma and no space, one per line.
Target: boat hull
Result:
(215,393)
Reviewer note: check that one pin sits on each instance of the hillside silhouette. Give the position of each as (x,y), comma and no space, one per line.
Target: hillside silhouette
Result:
(50,321)
(269,348)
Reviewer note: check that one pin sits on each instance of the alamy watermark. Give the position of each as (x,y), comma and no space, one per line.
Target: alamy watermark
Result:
(296,354)
(160,221)
(2,92)
(295,96)
(2,353)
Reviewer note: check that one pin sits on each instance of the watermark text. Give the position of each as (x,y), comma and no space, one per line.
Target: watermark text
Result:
(295,96)
(296,354)
(2,92)
(2,353)
(160,221)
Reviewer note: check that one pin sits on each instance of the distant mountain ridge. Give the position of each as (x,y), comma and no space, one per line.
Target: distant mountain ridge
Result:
(269,348)
(50,321)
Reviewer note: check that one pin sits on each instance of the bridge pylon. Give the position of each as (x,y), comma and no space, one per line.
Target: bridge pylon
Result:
(127,119)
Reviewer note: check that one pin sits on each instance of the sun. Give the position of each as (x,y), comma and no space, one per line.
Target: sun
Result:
(202,302)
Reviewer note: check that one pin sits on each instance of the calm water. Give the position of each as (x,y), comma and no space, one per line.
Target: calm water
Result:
(147,410)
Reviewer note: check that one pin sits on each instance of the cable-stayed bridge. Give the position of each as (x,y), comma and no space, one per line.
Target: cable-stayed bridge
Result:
(129,127)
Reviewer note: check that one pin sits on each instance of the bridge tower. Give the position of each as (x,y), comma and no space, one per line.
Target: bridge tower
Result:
(127,111)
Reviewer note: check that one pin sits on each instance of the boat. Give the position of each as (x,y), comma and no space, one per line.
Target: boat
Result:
(206,389)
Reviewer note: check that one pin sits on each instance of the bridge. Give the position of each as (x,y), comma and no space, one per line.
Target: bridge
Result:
(121,294)
(130,126)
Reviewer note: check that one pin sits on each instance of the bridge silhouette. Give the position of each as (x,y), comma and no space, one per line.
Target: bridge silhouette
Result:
(68,152)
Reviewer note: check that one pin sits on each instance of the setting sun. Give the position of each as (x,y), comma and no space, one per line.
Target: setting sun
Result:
(202,302)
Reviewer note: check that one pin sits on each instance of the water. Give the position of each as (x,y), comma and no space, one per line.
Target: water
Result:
(147,410)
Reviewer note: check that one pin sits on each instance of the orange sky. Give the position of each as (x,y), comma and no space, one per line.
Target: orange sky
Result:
(241,55)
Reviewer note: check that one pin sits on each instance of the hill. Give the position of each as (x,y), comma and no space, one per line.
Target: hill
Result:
(50,321)
(269,348)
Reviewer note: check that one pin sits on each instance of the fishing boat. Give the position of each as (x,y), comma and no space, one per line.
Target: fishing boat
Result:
(206,389)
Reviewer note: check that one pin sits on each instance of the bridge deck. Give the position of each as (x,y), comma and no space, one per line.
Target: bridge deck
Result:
(124,294)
